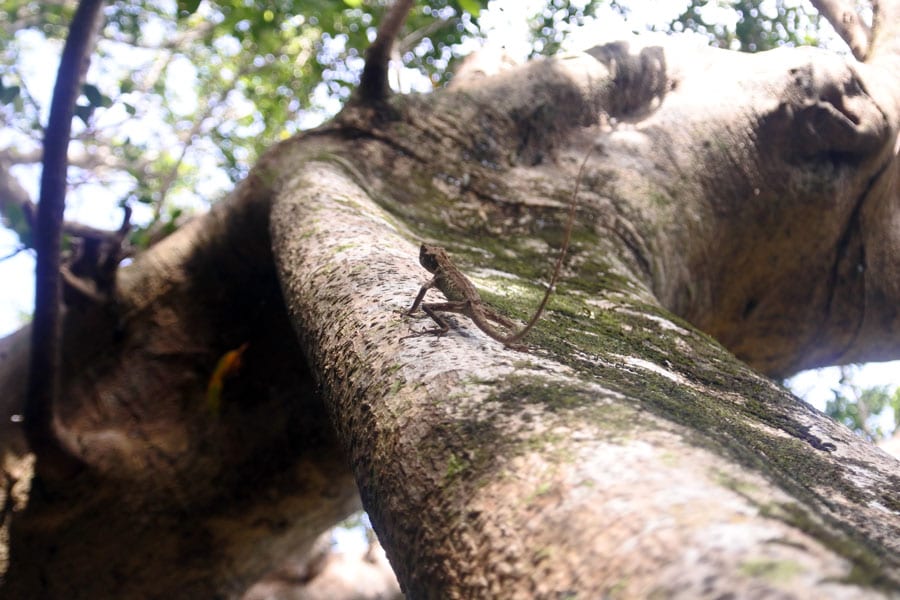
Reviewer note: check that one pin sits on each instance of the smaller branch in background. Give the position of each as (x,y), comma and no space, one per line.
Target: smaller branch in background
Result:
(15,252)
(53,457)
(885,39)
(176,42)
(846,22)
(14,156)
(16,207)
(98,158)
(27,96)
(18,210)
(409,42)
(204,112)
(373,85)
(90,274)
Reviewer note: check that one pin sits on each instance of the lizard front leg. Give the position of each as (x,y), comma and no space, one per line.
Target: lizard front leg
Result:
(421,296)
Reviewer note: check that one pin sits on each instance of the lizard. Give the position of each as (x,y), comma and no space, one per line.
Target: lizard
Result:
(463,298)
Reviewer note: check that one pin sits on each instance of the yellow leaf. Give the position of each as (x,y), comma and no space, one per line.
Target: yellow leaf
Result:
(228,365)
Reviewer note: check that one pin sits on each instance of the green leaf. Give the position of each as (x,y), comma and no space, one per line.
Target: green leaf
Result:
(92,93)
(84,113)
(470,6)
(129,108)
(353,3)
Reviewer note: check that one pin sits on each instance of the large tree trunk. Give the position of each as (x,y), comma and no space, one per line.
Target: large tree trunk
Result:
(622,452)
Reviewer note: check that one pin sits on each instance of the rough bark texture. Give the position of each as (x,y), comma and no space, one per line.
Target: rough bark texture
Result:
(180,501)
(625,453)
(590,464)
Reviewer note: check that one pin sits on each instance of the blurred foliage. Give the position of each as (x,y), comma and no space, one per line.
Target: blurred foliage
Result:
(548,28)
(744,25)
(750,25)
(864,409)
(178,90)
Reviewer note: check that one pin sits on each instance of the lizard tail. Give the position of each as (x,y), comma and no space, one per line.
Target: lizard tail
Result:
(567,236)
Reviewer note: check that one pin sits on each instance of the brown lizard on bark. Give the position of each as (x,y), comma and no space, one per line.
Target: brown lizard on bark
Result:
(464,299)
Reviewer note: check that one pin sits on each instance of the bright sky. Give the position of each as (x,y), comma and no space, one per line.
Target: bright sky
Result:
(507,28)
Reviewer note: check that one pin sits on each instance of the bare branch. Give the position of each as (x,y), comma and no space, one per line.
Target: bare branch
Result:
(411,40)
(14,197)
(11,191)
(847,24)
(15,156)
(15,252)
(44,367)
(885,31)
(175,43)
(373,85)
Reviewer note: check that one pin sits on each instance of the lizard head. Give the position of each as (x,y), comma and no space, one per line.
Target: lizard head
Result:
(431,257)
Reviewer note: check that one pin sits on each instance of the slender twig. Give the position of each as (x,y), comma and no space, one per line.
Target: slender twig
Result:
(205,111)
(27,96)
(46,348)
(409,42)
(15,252)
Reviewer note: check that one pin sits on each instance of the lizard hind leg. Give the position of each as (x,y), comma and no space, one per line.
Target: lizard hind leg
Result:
(431,309)
(498,318)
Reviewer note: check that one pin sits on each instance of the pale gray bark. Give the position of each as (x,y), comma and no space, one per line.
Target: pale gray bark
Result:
(847,23)
(625,453)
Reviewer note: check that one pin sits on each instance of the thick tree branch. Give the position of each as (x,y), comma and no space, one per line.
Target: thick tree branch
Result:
(846,22)
(885,32)
(373,84)
(165,473)
(471,419)
(44,367)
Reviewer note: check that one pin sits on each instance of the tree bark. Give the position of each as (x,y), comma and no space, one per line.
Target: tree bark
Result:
(179,501)
(624,452)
